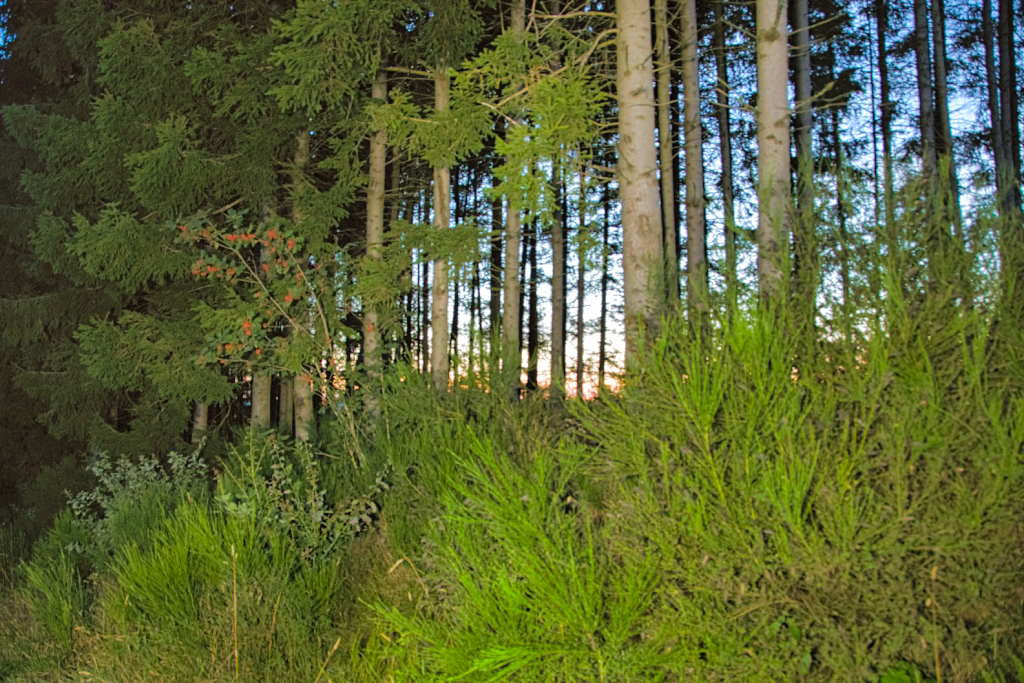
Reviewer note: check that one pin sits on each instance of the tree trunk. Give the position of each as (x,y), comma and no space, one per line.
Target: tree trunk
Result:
(495,282)
(805,247)
(844,242)
(511,322)
(637,173)
(696,229)
(725,147)
(558,288)
(773,150)
(200,421)
(453,339)
(374,250)
(304,416)
(605,277)
(666,153)
(924,95)
(442,216)
(286,406)
(533,318)
(302,398)
(581,288)
(992,78)
(1008,101)
(885,119)
(944,132)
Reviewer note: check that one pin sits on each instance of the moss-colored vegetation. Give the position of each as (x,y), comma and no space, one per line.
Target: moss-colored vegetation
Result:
(726,517)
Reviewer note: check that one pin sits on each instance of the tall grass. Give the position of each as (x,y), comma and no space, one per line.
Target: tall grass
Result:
(737,512)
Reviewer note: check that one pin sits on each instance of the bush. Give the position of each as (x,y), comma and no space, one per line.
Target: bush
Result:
(836,522)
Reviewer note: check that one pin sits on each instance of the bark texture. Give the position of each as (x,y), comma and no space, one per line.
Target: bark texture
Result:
(773,142)
(696,229)
(637,172)
(442,219)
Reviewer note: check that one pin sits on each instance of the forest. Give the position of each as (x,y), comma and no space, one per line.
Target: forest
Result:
(495,340)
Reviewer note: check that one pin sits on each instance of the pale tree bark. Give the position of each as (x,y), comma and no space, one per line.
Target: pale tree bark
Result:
(696,228)
(637,173)
(442,218)
(511,324)
(773,150)
(805,247)
(725,149)
(374,250)
(666,152)
(200,421)
(302,397)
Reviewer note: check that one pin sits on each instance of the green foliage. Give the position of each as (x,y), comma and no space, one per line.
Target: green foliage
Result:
(132,499)
(867,506)
(528,589)
(52,584)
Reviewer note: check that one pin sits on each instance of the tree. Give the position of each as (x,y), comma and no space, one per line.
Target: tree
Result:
(637,172)
(511,321)
(805,247)
(697,293)
(773,189)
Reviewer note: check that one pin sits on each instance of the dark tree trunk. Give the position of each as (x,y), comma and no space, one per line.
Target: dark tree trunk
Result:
(805,243)
(533,333)
(605,278)
(558,287)
(887,107)
(725,147)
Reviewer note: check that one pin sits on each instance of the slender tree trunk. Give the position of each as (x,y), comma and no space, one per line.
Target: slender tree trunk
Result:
(885,119)
(495,281)
(262,382)
(642,250)
(924,94)
(773,142)
(200,421)
(374,250)
(725,147)
(302,384)
(558,288)
(453,340)
(442,210)
(1008,101)
(944,132)
(666,153)
(696,230)
(805,247)
(581,288)
(511,322)
(533,319)
(605,277)
(844,241)
(1003,176)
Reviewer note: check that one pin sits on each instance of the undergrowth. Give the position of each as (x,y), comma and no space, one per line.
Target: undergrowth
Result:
(737,512)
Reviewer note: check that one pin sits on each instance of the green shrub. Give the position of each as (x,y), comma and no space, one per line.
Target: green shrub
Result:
(132,498)
(865,508)
(52,585)
(249,582)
